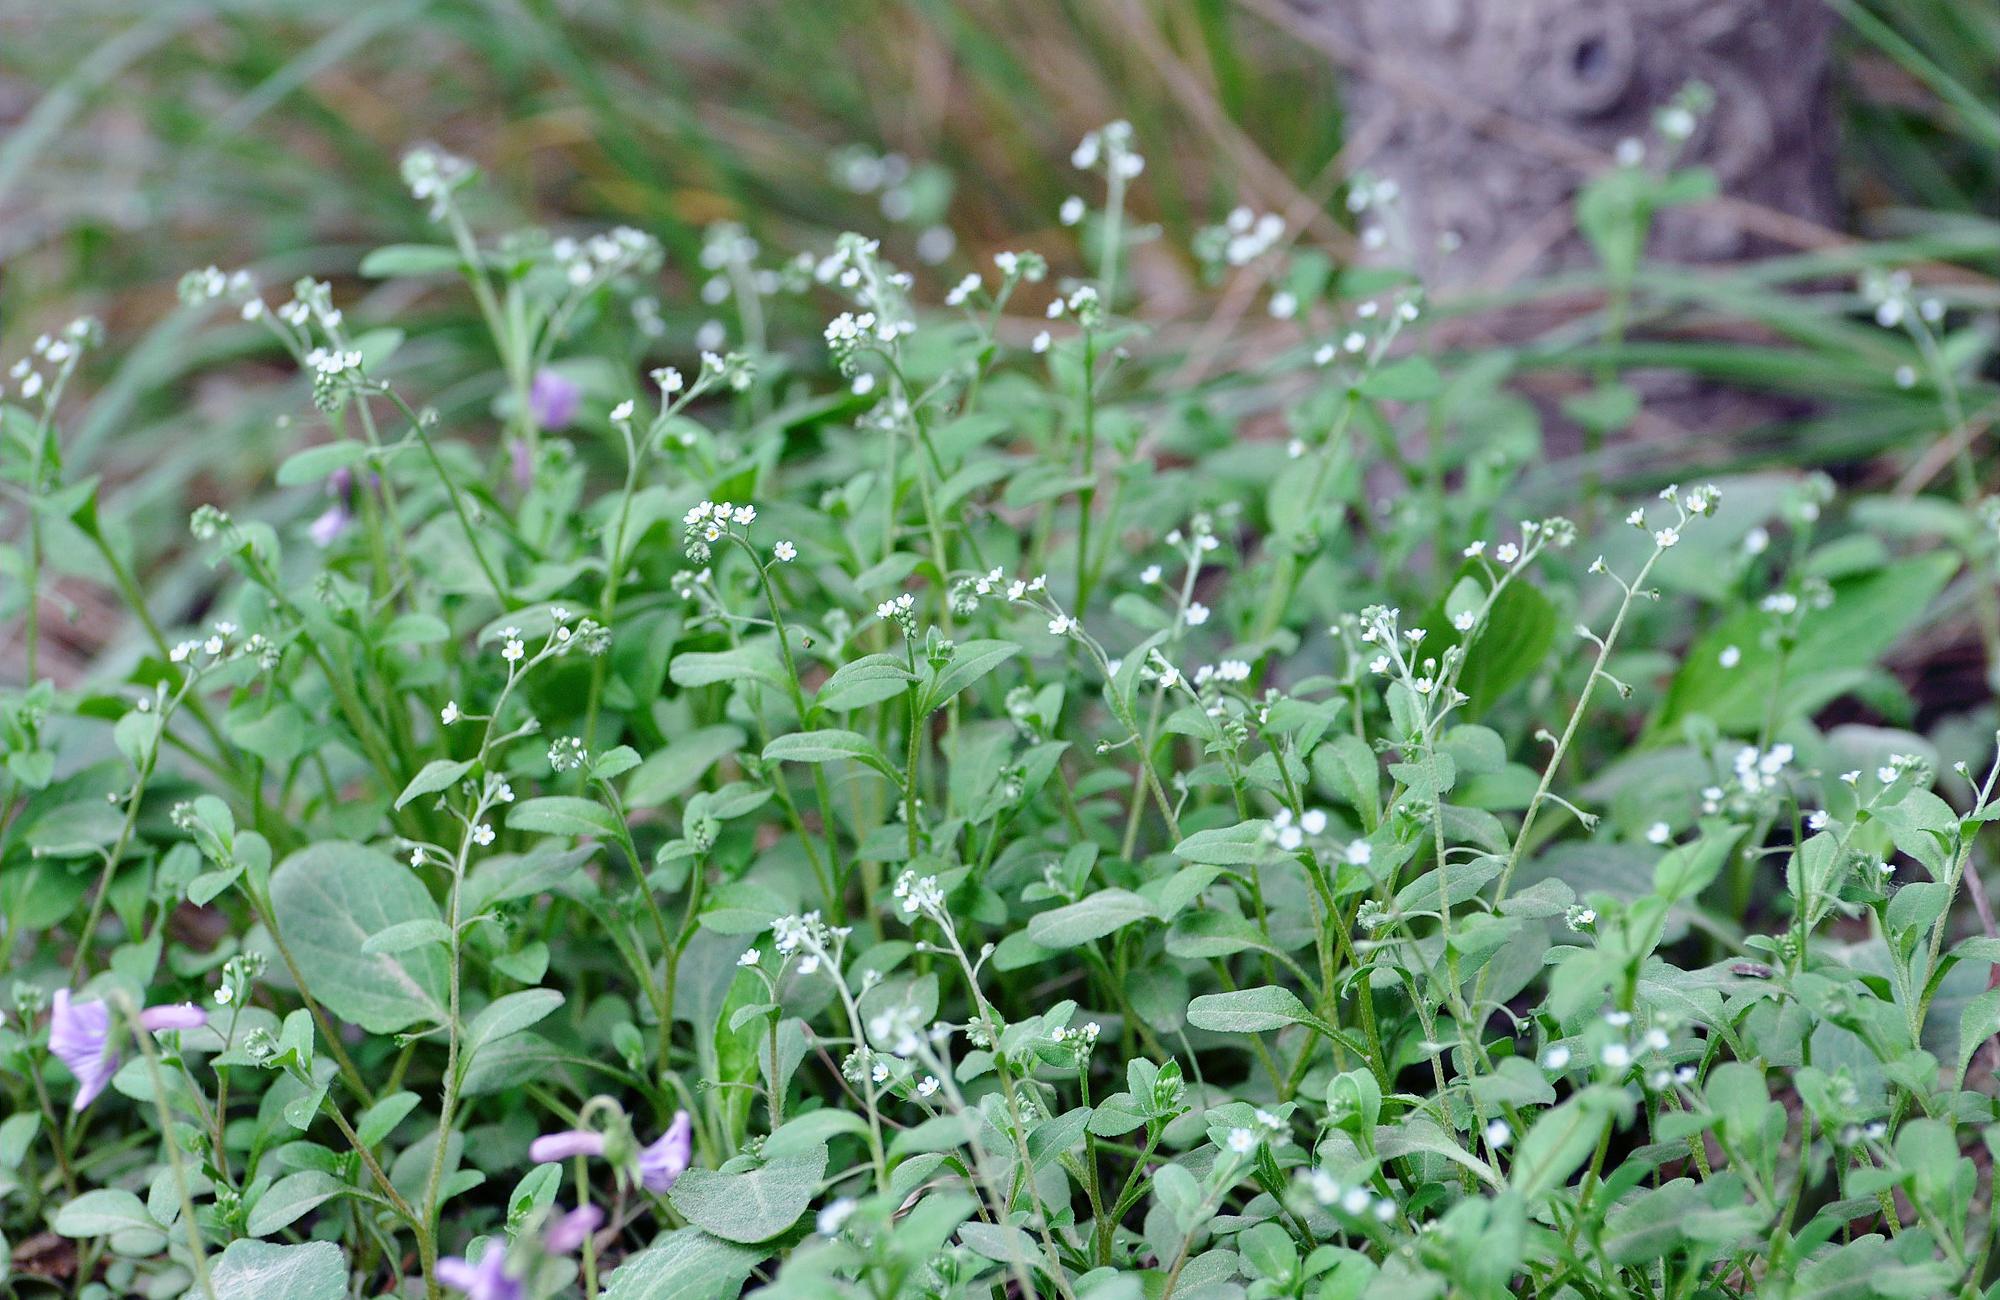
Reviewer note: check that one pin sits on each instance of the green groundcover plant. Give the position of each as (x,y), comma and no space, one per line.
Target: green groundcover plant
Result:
(949,808)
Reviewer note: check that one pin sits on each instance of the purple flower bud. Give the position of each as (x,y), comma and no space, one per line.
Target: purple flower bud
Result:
(522,463)
(80,1037)
(331,523)
(667,1159)
(553,400)
(486,1280)
(572,1229)
(551,1147)
(179,1015)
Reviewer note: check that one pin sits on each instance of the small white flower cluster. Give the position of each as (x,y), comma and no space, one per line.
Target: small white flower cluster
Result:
(921,894)
(707,522)
(433,176)
(214,646)
(1578,917)
(849,334)
(1619,1054)
(1354,1201)
(587,263)
(1756,773)
(1290,833)
(568,754)
(1083,303)
(1020,267)
(1892,295)
(809,939)
(61,351)
(902,611)
(1242,238)
(1110,145)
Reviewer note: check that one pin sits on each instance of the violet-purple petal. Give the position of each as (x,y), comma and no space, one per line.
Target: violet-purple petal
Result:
(80,1037)
(553,398)
(561,1146)
(572,1229)
(662,1163)
(486,1280)
(175,1015)
(330,524)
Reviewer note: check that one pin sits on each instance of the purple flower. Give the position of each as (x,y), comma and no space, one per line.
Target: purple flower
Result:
(667,1159)
(175,1015)
(330,524)
(486,1280)
(551,1147)
(80,1037)
(553,400)
(572,1229)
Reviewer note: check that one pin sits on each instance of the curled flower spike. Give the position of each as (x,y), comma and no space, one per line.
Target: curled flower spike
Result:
(486,1280)
(553,399)
(80,1037)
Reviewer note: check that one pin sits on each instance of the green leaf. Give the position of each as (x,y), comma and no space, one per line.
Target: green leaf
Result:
(114,1213)
(438,774)
(704,668)
(867,680)
(291,1198)
(1412,379)
(828,746)
(395,260)
(510,1015)
(258,1270)
(315,463)
(564,815)
(1559,1141)
(1090,918)
(684,1265)
(752,1206)
(380,1120)
(972,661)
(1869,614)
(677,767)
(1249,1011)
(329,899)
(407,935)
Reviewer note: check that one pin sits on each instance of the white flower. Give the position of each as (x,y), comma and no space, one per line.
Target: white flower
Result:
(928,1088)
(482,834)
(1355,1201)
(1816,820)
(1616,1055)
(224,995)
(750,957)
(834,1215)
(1071,210)
(1061,624)
(1498,1134)
(1464,620)
(1313,821)
(1659,833)
(1666,537)
(1197,614)
(1242,1141)
(1359,853)
(1555,1058)
(1150,574)
(1041,341)
(1730,656)
(786,552)
(1475,549)
(1507,553)
(449,713)
(513,650)
(622,412)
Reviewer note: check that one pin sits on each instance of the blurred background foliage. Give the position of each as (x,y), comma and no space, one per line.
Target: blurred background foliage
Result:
(139,138)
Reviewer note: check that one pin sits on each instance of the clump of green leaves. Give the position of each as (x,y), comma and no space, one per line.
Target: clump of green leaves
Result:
(939,808)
